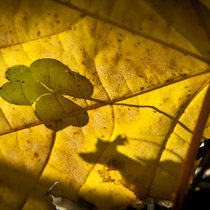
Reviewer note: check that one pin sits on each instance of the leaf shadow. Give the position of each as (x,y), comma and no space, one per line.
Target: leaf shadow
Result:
(21,183)
(137,174)
(20,189)
(46,85)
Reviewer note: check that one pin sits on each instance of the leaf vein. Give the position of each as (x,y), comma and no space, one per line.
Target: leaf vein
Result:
(174,123)
(133,31)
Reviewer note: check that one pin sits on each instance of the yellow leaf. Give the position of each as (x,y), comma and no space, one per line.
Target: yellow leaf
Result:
(101,96)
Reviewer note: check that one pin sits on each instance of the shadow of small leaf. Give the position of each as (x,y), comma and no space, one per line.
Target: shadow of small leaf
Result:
(13,93)
(43,84)
(22,89)
(53,111)
(60,79)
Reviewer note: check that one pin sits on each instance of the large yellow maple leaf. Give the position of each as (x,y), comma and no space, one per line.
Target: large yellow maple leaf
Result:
(101,96)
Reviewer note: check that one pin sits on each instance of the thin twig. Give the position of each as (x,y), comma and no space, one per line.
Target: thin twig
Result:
(187,168)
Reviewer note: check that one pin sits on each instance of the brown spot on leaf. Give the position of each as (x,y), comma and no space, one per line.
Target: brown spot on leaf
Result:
(114,164)
(82,14)
(148,51)
(38,33)
(169,80)
(36,155)
(184,74)
(172,64)
(173,74)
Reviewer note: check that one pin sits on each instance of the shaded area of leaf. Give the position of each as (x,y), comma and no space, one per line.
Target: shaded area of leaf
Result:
(203,12)
(23,21)
(131,170)
(192,25)
(15,185)
(54,107)
(183,23)
(13,182)
(45,84)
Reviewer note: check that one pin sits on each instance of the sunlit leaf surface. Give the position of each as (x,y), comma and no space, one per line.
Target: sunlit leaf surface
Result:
(101,96)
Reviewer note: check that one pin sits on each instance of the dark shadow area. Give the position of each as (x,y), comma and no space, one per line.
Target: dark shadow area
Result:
(17,182)
(199,192)
(137,175)
(19,190)
(45,85)
(178,15)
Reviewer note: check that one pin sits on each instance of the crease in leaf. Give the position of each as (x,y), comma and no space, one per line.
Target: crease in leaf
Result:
(45,85)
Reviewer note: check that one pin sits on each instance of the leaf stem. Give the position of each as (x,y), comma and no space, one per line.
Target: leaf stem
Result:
(187,167)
